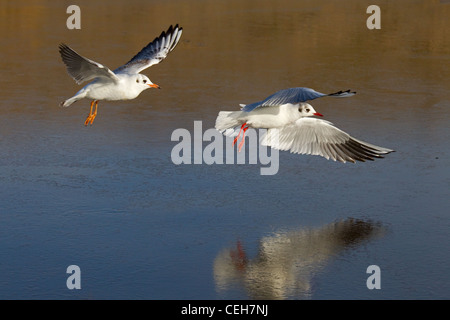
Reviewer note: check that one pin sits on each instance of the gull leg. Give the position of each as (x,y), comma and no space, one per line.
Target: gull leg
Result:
(237,137)
(95,112)
(91,116)
(243,139)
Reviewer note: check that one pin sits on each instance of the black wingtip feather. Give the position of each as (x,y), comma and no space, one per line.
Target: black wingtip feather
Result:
(342,92)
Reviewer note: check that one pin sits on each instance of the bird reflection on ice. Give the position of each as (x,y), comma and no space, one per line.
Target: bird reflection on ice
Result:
(287,261)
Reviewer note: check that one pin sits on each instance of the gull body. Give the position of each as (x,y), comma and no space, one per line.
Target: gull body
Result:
(291,126)
(127,87)
(125,82)
(271,116)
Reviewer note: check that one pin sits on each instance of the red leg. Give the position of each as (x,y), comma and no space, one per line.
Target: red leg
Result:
(237,137)
(243,139)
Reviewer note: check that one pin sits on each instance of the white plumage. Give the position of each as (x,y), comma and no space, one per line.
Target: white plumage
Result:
(291,128)
(125,82)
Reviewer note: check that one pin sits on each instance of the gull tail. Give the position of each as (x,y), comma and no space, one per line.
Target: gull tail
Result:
(228,120)
(75,98)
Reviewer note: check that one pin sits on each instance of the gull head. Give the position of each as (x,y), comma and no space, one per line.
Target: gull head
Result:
(306,110)
(143,82)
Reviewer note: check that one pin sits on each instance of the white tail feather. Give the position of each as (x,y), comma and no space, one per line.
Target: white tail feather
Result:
(227,119)
(75,98)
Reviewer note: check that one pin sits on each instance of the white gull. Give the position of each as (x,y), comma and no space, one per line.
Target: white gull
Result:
(287,117)
(125,82)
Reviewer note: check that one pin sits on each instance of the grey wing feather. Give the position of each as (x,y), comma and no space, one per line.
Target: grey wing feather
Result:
(154,52)
(83,69)
(319,137)
(293,96)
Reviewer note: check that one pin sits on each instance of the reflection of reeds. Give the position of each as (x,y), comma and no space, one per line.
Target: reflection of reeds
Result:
(287,261)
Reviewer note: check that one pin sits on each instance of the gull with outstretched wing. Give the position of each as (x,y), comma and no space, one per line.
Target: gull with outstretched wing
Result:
(287,117)
(125,82)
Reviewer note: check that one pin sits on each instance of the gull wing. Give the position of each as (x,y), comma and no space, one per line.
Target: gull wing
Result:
(293,96)
(320,137)
(83,69)
(154,52)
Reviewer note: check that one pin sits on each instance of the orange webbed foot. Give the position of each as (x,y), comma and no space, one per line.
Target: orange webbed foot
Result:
(92,115)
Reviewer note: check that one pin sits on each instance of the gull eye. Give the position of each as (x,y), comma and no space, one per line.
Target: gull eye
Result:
(137,80)
(145,81)
(307,110)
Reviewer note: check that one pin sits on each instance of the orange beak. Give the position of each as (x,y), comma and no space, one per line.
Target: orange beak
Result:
(153,85)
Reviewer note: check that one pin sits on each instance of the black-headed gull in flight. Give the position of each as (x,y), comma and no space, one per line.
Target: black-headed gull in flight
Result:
(286,115)
(124,83)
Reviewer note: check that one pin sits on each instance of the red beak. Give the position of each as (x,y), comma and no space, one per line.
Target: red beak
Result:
(318,114)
